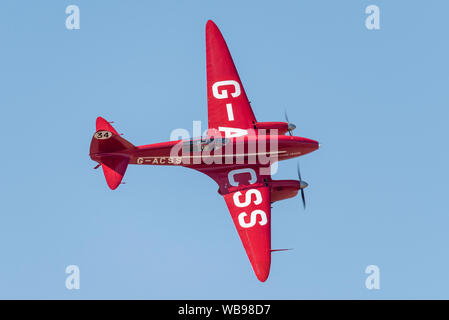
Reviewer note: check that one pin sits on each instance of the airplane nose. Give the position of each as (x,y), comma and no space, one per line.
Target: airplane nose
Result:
(309,144)
(316,144)
(313,142)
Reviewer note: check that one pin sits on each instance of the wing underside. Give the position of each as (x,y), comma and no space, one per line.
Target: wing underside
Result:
(249,202)
(253,224)
(228,105)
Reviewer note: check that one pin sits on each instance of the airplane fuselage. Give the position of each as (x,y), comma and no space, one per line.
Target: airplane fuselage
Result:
(209,152)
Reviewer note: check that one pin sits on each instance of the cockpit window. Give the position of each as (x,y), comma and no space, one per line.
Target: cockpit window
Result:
(204,143)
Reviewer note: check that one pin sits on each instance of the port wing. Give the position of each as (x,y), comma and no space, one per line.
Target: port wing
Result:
(247,196)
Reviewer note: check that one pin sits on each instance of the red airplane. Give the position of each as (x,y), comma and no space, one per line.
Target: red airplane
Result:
(236,152)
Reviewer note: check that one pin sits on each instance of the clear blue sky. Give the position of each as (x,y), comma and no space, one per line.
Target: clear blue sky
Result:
(376,100)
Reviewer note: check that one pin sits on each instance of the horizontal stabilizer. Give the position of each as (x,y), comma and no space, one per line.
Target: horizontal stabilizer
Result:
(114,168)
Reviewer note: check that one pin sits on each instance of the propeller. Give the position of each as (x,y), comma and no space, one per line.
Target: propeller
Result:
(291,126)
(303,185)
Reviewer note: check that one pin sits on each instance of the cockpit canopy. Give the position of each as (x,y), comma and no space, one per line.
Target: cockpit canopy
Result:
(203,144)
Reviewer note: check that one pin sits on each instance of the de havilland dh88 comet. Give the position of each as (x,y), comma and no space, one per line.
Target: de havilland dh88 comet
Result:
(237,152)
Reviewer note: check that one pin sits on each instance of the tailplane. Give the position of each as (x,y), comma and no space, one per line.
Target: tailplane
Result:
(111,151)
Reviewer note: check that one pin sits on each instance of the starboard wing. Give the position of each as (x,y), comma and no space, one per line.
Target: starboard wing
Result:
(228,105)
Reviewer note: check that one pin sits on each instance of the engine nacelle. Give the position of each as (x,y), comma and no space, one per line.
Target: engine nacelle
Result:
(281,127)
(285,189)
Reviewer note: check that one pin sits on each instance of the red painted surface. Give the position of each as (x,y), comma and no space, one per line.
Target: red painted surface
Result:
(242,175)
(281,127)
(220,67)
(283,189)
(257,238)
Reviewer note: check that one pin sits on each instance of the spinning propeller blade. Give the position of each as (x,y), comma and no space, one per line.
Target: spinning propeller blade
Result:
(291,126)
(302,187)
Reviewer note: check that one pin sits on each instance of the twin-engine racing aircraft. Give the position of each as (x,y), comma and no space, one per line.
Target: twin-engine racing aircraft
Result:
(236,152)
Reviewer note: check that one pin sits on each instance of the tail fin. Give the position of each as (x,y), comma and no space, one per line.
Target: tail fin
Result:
(110,150)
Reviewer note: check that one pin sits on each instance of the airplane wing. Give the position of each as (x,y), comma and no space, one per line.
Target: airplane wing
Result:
(228,105)
(248,198)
